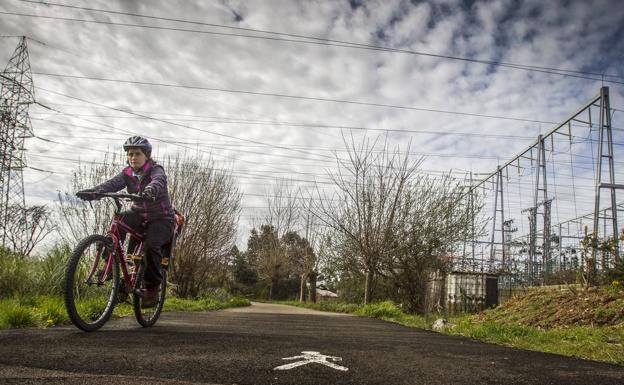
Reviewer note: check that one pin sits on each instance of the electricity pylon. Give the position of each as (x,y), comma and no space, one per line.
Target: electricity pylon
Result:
(16,96)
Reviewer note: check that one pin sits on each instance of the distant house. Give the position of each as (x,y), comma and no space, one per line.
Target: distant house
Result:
(324,295)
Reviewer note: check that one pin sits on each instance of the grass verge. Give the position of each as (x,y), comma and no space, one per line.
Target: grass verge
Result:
(46,311)
(599,343)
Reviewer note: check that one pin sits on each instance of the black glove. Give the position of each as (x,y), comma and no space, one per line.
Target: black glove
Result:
(88,194)
(149,194)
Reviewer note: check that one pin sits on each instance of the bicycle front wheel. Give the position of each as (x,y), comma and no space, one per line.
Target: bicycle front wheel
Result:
(90,290)
(147,317)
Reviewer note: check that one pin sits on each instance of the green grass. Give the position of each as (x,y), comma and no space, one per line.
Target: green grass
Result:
(17,316)
(335,307)
(20,275)
(600,343)
(45,311)
(386,311)
(52,311)
(205,304)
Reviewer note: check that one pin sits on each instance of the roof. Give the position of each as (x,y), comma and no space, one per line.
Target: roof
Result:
(326,293)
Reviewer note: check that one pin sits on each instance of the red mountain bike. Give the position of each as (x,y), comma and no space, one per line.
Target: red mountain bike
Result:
(92,281)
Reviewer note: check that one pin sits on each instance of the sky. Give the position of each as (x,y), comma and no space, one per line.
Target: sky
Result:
(269,88)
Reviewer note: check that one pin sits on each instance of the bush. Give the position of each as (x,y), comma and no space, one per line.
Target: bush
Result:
(238,302)
(50,271)
(351,289)
(18,316)
(14,274)
(338,307)
(616,273)
(386,309)
(21,275)
(53,312)
(26,300)
(217,294)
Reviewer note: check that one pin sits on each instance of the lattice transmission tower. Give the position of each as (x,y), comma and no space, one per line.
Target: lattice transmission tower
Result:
(16,96)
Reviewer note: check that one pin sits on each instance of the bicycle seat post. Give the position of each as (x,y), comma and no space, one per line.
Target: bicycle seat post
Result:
(118,204)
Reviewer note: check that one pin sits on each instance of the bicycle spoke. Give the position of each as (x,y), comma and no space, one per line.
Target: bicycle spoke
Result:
(91,283)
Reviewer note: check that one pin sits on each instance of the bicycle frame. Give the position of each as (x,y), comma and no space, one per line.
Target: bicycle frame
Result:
(117,251)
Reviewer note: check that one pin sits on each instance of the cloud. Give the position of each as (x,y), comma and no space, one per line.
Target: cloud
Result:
(582,36)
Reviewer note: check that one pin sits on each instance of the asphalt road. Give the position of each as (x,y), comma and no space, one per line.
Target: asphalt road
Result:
(244,346)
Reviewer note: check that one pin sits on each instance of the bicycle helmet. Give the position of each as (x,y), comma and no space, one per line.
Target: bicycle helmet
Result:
(139,142)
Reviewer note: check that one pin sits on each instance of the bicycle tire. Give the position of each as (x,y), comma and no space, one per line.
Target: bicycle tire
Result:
(82,304)
(147,317)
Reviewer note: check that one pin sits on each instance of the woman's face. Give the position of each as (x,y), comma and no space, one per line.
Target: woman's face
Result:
(136,158)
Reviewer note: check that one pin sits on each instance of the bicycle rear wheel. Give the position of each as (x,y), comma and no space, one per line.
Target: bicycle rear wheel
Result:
(90,293)
(147,317)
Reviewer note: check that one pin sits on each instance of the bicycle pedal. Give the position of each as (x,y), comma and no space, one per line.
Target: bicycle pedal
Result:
(136,258)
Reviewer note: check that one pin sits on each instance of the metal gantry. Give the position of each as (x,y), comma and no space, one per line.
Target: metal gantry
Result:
(531,203)
(16,95)
(604,131)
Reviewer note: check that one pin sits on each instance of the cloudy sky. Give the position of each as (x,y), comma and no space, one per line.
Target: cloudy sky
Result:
(268,88)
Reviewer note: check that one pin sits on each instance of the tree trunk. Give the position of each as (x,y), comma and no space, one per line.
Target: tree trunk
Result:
(368,286)
(302,282)
(312,289)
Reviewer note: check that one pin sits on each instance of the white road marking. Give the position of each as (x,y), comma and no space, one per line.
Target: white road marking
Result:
(312,357)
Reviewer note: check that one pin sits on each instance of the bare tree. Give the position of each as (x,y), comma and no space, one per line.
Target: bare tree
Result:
(435,220)
(272,259)
(210,200)
(29,226)
(283,208)
(282,217)
(371,186)
(77,219)
(314,233)
(301,259)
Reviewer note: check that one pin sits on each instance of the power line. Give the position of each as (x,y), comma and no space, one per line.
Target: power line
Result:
(318,41)
(557,162)
(219,146)
(181,125)
(185,126)
(218,117)
(133,133)
(287,96)
(420,170)
(262,174)
(186,144)
(320,125)
(227,171)
(239,120)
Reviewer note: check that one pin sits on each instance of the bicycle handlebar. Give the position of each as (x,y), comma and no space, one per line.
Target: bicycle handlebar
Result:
(132,197)
(116,197)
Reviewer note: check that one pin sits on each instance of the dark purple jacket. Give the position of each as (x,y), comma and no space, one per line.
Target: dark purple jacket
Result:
(151,174)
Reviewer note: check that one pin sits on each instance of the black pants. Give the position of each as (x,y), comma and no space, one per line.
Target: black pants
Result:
(157,234)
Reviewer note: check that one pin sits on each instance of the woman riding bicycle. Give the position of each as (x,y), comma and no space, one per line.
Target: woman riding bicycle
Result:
(154,216)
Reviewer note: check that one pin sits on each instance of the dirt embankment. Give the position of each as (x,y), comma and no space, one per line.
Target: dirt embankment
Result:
(565,307)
